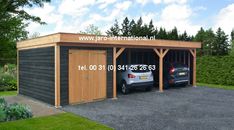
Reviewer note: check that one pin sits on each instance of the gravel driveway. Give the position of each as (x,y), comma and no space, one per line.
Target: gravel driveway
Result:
(187,108)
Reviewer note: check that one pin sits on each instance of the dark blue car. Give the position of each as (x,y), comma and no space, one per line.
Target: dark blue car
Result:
(175,74)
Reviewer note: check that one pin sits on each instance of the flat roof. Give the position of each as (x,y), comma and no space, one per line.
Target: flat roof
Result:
(93,40)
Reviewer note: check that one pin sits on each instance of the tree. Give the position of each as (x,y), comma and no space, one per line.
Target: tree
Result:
(125,27)
(173,35)
(132,28)
(232,42)
(221,45)
(162,34)
(207,38)
(184,37)
(15,8)
(150,29)
(114,30)
(155,32)
(12,25)
(139,27)
(91,29)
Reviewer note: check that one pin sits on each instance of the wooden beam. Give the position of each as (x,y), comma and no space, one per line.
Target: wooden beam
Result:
(82,39)
(193,52)
(161,74)
(119,52)
(38,46)
(157,52)
(114,72)
(57,76)
(194,68)
(17,71)
(165,52)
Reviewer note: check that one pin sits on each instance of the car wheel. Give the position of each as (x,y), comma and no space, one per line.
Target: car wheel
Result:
(124,88)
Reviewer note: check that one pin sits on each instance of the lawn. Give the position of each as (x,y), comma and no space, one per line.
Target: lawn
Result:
(216,86)
(64,121)
(8,93)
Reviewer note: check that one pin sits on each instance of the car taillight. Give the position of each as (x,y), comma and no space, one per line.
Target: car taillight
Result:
(172,70)
(131,76)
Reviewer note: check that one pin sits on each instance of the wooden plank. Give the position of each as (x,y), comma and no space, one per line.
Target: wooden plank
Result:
(57,76)
(161,74)
(102,75)
(44,40)
(114,72)
(17,71)
(79,39)
(194,68)
(37,46)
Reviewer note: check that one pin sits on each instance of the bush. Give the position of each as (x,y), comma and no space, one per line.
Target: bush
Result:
(18,111)
(2,115)
(8,78)
(13,111)
(3,103)
(215,70)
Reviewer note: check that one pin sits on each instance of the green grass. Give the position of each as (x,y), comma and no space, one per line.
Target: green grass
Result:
(64,121)
(8,93)
(216,86)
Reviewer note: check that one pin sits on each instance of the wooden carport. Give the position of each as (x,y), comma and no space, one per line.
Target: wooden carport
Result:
(161,52)
(160,47)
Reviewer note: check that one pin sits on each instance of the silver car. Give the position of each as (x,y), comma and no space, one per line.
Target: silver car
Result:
(134,76)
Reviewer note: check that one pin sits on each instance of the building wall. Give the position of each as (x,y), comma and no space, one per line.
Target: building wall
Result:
(36,74)
(64,71)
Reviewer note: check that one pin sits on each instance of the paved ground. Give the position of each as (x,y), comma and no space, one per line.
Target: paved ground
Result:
(38,108)
(188,108)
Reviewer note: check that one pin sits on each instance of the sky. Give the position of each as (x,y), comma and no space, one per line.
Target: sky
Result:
(75,15)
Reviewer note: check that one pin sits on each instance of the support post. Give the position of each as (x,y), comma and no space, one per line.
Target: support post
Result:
(115,56)
(161,72)
(17,71)
(194,53)
(114,73)
(194,68)
(57,76)
(161,55)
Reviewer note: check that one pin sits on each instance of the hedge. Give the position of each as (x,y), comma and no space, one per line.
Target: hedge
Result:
(215,70)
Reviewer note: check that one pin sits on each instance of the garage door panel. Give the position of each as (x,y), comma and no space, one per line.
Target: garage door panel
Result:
(93,82)
(102,75)
(86,85)
(83,76)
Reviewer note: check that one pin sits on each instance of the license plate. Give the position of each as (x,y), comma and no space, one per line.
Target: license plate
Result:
(183,73)
(143,77)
